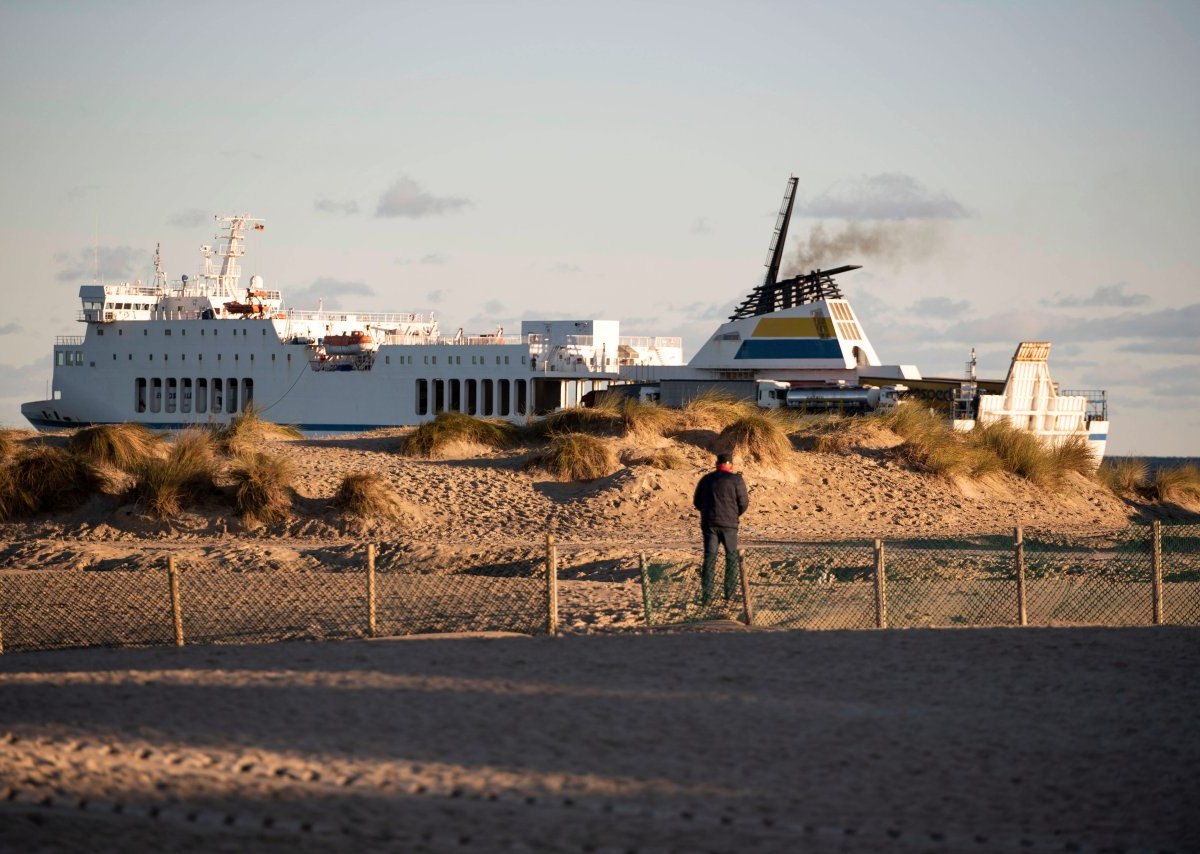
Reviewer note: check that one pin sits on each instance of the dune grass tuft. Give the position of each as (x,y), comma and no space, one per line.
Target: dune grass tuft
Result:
(125,446)
(263,487)
(759,437)
(1073,454)
(646,420)
(247,431)
(448,429)
(182,477)
(44,479)
(837,434)
(1180,485)
(575,456)
(606,418)
(714,410)
(1124,476)
(665,459)
(9,443)
(932,445)
(368,496)
(1021,453)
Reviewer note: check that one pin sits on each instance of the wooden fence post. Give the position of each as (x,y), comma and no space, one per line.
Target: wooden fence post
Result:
(748,606)
(1156,589)
(551,586)
(1019,543)
(644,571)
(371,630)
(176,611)
(880,587)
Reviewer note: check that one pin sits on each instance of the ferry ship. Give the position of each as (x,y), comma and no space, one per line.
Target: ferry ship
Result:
(201,351)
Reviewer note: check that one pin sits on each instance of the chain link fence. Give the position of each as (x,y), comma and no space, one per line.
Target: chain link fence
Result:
(1141,575)
(218,602)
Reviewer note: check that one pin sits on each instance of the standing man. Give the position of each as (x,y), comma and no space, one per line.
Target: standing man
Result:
(721,499)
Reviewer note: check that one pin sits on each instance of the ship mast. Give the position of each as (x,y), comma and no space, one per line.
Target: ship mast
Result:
(230,250)
(779,238)
(160,277)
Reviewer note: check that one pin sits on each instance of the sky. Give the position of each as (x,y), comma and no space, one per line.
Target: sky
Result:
(1003,171)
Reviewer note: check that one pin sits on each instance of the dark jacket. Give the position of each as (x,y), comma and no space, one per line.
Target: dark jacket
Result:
(721,498)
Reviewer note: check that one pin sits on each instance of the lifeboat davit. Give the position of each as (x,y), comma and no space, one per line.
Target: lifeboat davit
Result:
(347,345)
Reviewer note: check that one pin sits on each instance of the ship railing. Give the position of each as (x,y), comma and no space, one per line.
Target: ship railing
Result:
(134,290)
(1097,402)
(648,342)
(349,317)
(480,339)
(68,341)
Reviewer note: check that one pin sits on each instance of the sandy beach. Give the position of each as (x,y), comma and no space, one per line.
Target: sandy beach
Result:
(982,740)
(614,737)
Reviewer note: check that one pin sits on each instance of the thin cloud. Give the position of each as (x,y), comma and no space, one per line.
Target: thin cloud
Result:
(941,307)
(328,290)
(564,267)
(700,226)
(1105,296)
(406,198)
(331,207)
(434,258)
(435,296)
(191,218)
(105,263)
(890,195)
(9,329)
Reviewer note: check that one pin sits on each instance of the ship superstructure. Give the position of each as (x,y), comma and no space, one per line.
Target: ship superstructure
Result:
(201,351)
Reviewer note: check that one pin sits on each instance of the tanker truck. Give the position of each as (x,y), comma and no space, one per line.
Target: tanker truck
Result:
(771,394)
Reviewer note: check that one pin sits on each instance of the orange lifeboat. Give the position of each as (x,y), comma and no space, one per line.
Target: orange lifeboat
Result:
(347,345)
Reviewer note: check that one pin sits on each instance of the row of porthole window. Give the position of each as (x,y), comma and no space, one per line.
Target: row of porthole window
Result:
(488,398)
(167,332)
(202,394)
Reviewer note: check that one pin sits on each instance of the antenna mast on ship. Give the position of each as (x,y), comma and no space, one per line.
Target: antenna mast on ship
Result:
(225,283)
(160,278)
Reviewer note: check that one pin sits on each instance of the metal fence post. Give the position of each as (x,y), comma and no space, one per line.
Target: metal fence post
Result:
(371,630)
(644,571)
(1156,588)
(880,587)
(747,605)
(176,611)
(551,586)
(1019,543)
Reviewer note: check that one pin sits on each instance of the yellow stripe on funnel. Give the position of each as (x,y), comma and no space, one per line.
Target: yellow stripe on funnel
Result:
(789,327)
